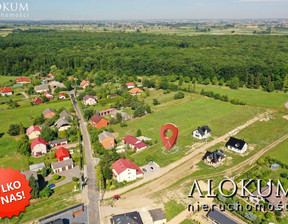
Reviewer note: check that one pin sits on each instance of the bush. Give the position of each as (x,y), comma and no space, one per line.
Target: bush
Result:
(123,124)
(179,95)
(75,179)
(46,192)
(56,177)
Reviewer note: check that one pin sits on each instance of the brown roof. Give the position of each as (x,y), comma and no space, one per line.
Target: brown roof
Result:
(96,118)
(48,110)
(135,91)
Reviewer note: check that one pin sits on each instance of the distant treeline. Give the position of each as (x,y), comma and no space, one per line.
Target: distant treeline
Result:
(255,60)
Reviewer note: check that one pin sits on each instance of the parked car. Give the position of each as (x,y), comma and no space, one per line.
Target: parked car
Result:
(51,186)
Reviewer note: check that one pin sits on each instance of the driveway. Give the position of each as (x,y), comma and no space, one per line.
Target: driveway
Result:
(75,172)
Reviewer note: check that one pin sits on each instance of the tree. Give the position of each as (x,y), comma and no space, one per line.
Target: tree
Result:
(155,102)
(139,133)
(23,146)
(45,171)
(88,114)
(35,187)
(39,120)
(100,179)
(22,129)
(148,109)
(206,81)
(107,173)
(47,134)
(46,192)
(140,111)
(234,83)
(179,95)
(14,129)
(119,117)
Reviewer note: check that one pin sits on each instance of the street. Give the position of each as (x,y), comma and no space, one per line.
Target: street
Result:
(93,192)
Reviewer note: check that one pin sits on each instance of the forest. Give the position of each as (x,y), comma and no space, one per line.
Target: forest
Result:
(256,60)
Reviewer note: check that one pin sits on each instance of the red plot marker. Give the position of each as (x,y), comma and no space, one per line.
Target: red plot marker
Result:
(169,143)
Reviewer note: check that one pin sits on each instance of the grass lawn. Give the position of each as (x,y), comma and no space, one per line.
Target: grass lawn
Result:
(172,209)
(251,97)
(9,156)
(279,151)
(63,197)
(186,221)
(221,118)
(27,114)
(56,181)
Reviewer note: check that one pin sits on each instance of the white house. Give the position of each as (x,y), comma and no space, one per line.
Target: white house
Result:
(89,100)
(202,132)
(61,166)
(130,85)
(38,147)
(6,91)
(237,145)
(62,124)
(124,169)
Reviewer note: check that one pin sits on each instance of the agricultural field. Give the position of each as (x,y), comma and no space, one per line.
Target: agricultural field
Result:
(278,152)
(219,116)
(250,96)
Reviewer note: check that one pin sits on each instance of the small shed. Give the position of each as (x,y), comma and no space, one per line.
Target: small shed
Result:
(158,216)
(275,166)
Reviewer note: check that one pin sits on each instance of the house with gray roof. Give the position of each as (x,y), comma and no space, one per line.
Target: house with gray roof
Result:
(127,218)
(158,216)
(41,88)
(63,165)
(62,124)
(66,115)
(201,132)
(36,167)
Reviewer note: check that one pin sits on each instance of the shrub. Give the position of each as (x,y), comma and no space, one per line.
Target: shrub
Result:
(56,177)
(75,179)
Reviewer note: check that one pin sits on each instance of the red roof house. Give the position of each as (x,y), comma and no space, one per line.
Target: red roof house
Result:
(33,132)
(51,75)
(62,154)
(23,80)
(84,84)
(6,91)
(37,100)
(98,122)
(48,95)
(106,112)
(61,96)
(38,147)
(130,85)
(124,169)
(134,143)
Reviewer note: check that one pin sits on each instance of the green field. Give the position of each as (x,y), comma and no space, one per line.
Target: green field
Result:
(251,97)
(279,151)
(221,118)
(27,114)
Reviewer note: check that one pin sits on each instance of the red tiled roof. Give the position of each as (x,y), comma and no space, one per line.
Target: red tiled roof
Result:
(6,89)
(50,74)
(48,95)
(37,141)
(135,91)
(96,118)
(61,95)
(38,100)
(122,164)
(62,152)
(32,128)
(130,84)
(84,82)
(107,110)
(140,145)
(23,79)
(130,139)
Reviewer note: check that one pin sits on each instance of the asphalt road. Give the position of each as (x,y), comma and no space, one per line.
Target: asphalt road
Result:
(93,191)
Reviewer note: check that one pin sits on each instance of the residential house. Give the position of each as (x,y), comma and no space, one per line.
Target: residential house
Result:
(6,91)
(124,169)
(98,122)
(33,132)
(217,216)
(125,116)
(134,143)
(28,174)
(271,198)
(84,84)
(236,145)
(38,147)
(62,124)
(41,88)
(56,84)
(202,132)
(62,96)
(62,154)
(107,140)
(23,80)
(37,167)
(214,158)
(106,112)
(58,142)
(158,216)
(127,218)
(48,95)
(51,75)
(48,113)
(135,91)
(37,100)
(61,166)
(89,100)
(66,115)
(130,85)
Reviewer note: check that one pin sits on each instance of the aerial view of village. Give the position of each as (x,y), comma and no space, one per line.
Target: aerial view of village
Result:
(143,120)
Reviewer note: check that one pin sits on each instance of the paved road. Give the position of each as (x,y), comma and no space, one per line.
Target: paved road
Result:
(93,192)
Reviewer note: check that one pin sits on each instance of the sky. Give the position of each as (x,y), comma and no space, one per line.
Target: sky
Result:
(151,9)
